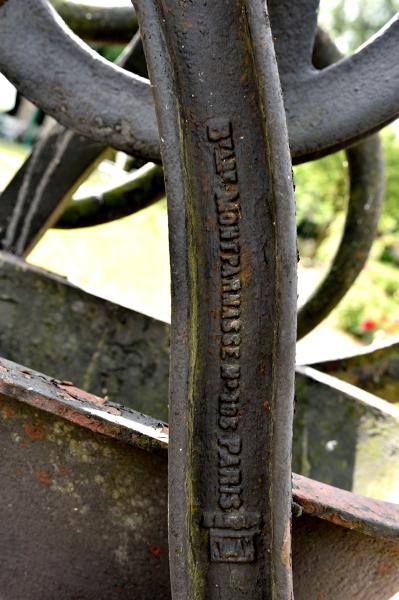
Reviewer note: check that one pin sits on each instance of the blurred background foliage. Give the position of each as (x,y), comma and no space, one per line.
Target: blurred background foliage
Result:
(127,260)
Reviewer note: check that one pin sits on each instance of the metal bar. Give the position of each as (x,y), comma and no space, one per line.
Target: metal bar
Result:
(233,256)
(57,165)
(70,334)
(343,436)
(84,482)
(62,399)
(375,370)
(61,89)
(144,187)
(366,175)
(98,23)
(357,95)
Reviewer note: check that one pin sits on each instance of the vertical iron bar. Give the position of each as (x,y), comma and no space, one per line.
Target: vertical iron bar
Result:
(233,263)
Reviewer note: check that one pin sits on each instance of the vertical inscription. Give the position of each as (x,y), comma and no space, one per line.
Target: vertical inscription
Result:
(232,529)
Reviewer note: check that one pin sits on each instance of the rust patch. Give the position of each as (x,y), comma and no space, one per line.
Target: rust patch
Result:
(346,509)
(7,412)
(43,477)
(154,550)
(385,568)
(80,394)
(63,472)
(285,552)
(112,410)
(34,432)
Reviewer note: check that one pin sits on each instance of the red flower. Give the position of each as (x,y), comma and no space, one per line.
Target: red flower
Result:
(368,324)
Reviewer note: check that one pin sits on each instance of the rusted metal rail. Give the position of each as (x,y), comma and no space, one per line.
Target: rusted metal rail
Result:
(87,479)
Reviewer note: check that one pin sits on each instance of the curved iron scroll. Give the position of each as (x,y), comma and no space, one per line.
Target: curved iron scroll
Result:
(366,175)
(326,110)
(78,87)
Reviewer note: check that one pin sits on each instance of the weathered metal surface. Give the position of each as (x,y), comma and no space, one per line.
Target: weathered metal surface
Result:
(89,488)
(43,187)
(359,95)
(364,208)
(330,109)
(353,511)
(364,205)
(376,370)
(70,334)
(220,115)
(144,187)
(60,89)
(125,356)
(83,515)
(63,399)
(334,563)
(366,176)
(342,436)
(98,23)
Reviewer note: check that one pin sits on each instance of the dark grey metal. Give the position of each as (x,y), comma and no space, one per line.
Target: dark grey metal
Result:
(84,498)
(76,155)
(342,436)
(375,370)
(42,188)
(101,23)
(331,109)
(358,95)
(366,175)
(366,178)
(215,79)
(224,143)
(335,562)
(102,347)
(143,187)
(125,356)
(60,88)
(85,506)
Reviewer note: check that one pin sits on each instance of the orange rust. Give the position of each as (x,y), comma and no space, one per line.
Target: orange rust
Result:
(7,412)
(34,432)
(81,394)
(154,550)
(63,472)
(43,477)
(337,520)
(385,568)
(112,410)
(285,552)
(262,369)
